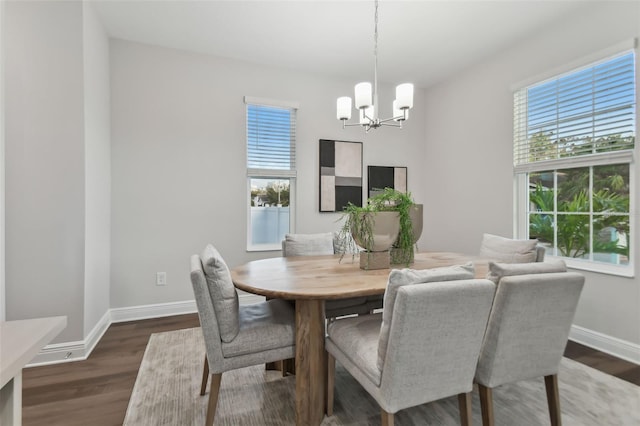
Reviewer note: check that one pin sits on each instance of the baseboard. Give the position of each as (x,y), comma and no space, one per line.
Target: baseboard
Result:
(613,346)
(73,351)
(135,313)
(80,350)
(96,333)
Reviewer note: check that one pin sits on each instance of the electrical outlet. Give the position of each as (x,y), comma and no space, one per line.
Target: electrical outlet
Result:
(161,278)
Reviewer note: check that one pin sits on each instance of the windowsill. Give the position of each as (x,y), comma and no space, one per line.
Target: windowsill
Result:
(626,271)
(265,247)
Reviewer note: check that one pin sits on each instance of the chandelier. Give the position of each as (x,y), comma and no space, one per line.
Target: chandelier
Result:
(366,99)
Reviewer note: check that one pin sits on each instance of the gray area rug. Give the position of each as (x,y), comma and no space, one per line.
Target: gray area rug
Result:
(167,392)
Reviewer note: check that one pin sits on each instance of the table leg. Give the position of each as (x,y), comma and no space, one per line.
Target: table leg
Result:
(311,364)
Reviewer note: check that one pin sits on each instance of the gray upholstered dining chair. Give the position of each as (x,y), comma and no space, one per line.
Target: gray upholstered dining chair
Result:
(507,250)
(528,329)
(322,244)
(235,336)
(427,346)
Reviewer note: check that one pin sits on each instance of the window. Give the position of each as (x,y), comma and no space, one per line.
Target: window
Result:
(271,172)
(574,137)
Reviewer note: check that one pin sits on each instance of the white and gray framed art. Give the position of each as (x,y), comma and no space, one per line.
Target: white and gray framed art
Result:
(340,174)
(381,177)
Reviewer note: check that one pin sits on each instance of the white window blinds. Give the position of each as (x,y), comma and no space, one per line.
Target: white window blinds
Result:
(590,111)
(271,136)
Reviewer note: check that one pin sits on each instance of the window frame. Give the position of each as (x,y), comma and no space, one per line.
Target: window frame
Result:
(260,173)
(522,225)
(522,171)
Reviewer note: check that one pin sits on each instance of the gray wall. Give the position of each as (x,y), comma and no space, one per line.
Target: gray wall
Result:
(45,163)
(97,126)
(58,165)
(178,159)
(469,124)
(2,263)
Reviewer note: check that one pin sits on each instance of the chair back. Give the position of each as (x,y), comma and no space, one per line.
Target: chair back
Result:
(308,244)
(528,327)
(434,340)
(507,250)
(207,315)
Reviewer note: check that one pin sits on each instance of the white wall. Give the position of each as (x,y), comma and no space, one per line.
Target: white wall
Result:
(97,169)
(2,297)
(469,178)
(178,160)
(45,163)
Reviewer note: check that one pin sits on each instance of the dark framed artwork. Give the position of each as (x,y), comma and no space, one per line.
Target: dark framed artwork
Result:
(340,174)
(381,177)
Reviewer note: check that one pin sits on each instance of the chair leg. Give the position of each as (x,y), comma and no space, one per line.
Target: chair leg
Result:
(331,375)
(213,398)
(205,376)
(464,405)
(553,399)
(288,366)
(486,405)
(387,418)
(273,365)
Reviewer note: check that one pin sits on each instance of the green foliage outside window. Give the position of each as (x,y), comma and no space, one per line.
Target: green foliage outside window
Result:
(545,145)
(573,233)
(610,189)
(273,194)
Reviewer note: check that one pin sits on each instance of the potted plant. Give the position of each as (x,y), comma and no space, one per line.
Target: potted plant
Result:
(373,228)
(402,251)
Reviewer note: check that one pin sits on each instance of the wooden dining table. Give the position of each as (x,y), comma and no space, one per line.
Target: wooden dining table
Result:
(310,281)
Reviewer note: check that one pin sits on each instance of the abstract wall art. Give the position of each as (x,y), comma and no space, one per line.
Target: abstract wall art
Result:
(340,174)
(381,177)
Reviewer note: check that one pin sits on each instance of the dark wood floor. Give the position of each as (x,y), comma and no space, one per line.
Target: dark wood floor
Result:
(604,362)
(96,391)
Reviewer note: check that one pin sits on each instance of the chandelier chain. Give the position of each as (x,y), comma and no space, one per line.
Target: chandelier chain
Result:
(375,56)
(375,32)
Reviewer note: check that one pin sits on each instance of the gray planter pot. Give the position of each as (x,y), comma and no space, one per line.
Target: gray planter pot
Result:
(385,226)
(416,215)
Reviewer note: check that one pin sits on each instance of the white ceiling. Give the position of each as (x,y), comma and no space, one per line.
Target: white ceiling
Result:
(419,41)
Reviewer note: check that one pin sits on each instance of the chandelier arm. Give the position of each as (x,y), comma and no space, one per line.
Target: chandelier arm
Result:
(390,124)
(390,119)
(345,124)
(371,119)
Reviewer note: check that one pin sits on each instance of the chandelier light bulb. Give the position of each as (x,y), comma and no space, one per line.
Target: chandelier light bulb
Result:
(344,108)
(363,95)
(404,96)
(398,114)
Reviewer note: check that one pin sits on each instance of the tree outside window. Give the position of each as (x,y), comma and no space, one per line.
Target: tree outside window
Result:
(592,215)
